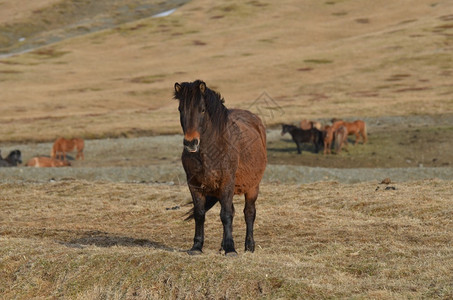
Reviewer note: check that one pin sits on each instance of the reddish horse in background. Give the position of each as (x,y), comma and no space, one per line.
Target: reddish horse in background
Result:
(358,128)
(62,145)
(308,125)
(45,162)
(341,138)
(224,155)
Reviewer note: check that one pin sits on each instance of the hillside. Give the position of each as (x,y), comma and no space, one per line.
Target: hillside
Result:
(317,59)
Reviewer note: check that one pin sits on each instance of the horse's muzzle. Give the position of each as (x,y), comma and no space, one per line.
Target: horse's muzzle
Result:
(192,146)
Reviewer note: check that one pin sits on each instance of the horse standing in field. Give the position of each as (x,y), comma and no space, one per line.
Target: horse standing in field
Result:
(62,145)
(224,155)
(299,136)
(341,138)
(13,159)
(358,128)
(328,135)
(46,162)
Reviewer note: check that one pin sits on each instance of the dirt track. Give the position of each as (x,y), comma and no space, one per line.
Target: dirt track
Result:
(156,159)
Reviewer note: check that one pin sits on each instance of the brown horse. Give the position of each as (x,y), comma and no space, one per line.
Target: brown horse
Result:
(358,128)
(328,135)
(43,162)
(299,136)
(224,155)
(307,125)
(341,138)
(62,145)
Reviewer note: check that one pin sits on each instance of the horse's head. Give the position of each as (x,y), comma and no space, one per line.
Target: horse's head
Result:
(285,128)
(14,157)
(199,109)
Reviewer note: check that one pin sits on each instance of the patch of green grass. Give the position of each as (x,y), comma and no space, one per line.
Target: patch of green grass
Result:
(318,61)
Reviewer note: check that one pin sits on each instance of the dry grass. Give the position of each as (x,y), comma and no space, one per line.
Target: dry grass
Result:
(319,59)
(98,240)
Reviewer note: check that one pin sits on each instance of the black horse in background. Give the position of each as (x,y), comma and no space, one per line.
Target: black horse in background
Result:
(12,160)
(299,136)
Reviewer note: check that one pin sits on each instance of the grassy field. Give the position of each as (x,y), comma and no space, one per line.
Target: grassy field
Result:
(104,240)
(320,59)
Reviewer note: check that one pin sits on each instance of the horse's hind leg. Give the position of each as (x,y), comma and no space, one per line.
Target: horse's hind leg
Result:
(364,137)
(80,155)
(250,214)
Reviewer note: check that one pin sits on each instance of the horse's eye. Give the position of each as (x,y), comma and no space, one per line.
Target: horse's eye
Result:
(203,110)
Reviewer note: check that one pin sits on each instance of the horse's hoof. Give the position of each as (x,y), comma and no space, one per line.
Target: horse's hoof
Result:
(231,254)
(194,252)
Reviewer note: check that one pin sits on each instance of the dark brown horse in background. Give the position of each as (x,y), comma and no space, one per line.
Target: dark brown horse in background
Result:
(13,159)
(224,155)
(299,136)
(62,145)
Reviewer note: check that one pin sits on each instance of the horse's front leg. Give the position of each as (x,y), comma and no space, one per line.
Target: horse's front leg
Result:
(298,147)
(199,212)
(357,136)
(226,215)
(250,214)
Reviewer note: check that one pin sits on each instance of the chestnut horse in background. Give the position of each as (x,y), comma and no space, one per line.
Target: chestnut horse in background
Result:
(328,135)
(62,145)
(358,128)
(45,162)
(224,154)
(341,138)
(307,125)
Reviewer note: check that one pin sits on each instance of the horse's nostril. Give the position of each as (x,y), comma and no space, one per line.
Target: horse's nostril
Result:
(191,146)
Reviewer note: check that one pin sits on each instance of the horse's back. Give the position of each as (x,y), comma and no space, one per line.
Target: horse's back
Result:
(252,129)
(251,146)
(45,162)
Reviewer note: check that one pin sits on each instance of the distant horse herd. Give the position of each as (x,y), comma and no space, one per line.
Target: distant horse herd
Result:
(328,136)
(57,157)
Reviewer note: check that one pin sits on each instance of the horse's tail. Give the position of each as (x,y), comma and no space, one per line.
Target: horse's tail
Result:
(53,152)
(364,135)
(210,202)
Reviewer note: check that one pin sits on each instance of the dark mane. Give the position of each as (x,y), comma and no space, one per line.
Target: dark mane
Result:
(217,111)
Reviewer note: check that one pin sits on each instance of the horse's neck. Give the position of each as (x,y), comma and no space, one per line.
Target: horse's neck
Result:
(293,131)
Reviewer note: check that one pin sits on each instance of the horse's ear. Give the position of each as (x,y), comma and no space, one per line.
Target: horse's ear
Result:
(202,87)
(177,87)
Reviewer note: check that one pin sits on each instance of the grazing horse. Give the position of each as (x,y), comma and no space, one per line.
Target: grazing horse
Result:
(224,154)
(12,160)
(44,162)
(358,128)
(299,136)
(62,145)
